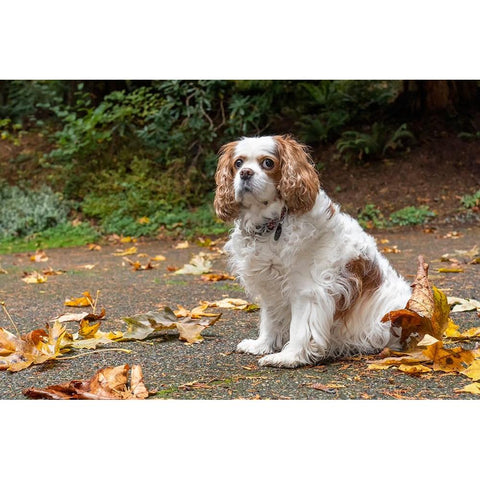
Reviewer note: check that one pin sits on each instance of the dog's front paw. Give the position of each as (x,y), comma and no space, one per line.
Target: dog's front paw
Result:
(254,347)
(284,359)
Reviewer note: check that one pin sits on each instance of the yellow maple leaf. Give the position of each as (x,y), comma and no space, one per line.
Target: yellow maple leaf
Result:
(448,359)
(471,388)
(85,301)
(473,371)
(414,368)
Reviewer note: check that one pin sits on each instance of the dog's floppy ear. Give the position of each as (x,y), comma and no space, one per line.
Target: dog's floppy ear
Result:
(225,205)
(299,183)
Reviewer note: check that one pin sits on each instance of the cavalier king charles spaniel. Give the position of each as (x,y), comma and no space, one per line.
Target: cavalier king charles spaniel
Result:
(322,285)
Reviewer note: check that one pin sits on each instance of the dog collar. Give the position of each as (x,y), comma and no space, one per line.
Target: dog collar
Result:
(271,225)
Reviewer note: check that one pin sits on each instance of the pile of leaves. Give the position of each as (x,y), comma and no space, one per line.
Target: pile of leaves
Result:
(429,337)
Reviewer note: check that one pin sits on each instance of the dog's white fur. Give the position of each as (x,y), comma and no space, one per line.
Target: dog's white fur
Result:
(322,284)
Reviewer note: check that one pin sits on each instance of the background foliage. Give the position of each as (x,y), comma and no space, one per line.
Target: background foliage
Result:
(138,157)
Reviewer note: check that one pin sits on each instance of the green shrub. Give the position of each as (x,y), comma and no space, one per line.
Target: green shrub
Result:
(375,144)
(411,216)
(471,201)
(371,217)
(24,211)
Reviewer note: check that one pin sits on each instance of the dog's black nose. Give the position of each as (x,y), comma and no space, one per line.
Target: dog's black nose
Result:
(246,173)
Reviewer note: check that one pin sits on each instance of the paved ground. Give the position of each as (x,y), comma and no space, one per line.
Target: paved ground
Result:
(210,370)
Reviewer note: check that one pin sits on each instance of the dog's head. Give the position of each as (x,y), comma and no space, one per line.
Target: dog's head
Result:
(257,171)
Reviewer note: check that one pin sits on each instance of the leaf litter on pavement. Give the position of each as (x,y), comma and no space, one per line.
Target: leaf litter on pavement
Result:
(429,337)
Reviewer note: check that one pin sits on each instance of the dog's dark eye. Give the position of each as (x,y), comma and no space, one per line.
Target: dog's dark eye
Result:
(268,164)
(238,163)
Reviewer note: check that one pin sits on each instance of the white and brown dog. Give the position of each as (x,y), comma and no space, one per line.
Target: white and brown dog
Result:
(322,285)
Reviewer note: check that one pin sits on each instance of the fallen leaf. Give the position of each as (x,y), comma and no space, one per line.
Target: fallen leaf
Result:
(448,359)
(51,271)
(393,249)
(40,256)
(463,304)
(37,346)
(76,317)
(199,264)
(414,368)
(190,333)
(232,304)
(128,239)
(138,266)
(94,246)
(473,371)
(141,325)
(450,270)
(128,251)
(34,277)
(471,388)
(88,266)
(426,312)
(216,277)
(182,245)
(110,383)
(158,258)
(84,301)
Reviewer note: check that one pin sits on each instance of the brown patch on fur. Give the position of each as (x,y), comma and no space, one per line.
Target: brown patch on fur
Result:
(364,278)
(225,205)
(298,184)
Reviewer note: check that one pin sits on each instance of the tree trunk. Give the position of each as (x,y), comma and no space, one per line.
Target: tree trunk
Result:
(429,96)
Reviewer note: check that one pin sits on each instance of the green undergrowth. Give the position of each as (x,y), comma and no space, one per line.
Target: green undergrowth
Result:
(63,235)
(371,217)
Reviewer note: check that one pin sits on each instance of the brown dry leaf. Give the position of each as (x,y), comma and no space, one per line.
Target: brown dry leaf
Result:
(109,383)
(158,258)
(216,277)
(76,317)
(182,245)
(94,246)
(190,332)
(232,304)
(448,359)
(34,277)
(426,312)
(85,301)
(145,324)
(40,256)
(51,271)
(198,265)
(463,304)
(138,266)
(128,251)
(37,346)
(393,249)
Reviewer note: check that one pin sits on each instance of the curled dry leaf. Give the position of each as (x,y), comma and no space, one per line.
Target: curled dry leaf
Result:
(40,256)
(426,312)
(34,277)
(37,346)
(145,324)
(138,266)
(128,251)
(111,383)
(85,301)
(199,264)
(76,317)
(216,277)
